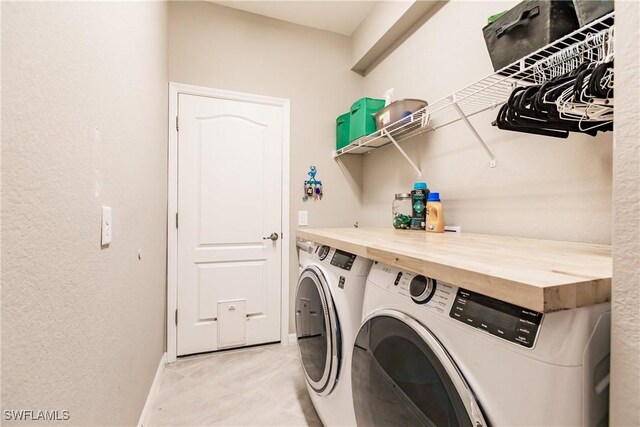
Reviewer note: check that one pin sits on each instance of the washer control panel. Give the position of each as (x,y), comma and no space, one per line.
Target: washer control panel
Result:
(343,259)
(332,258)
(502,319)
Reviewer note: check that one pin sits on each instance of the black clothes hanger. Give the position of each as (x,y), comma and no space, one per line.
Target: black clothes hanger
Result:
(596,87)
(502,123)
(534,109)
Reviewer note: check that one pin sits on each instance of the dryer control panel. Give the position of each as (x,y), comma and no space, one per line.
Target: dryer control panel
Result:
(518,325)
(432,294)
(502,319)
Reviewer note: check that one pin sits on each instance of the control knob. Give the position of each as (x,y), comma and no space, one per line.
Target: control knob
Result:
(323,252)
(422,289)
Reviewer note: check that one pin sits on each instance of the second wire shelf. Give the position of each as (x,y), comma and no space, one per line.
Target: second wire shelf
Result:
(492,91)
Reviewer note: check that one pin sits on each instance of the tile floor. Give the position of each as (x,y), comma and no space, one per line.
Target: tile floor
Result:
(257,386)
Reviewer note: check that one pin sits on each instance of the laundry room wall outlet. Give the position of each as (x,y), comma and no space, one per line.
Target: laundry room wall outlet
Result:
(106,225)
(303,218)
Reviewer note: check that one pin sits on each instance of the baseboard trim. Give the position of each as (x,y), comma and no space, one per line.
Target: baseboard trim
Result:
(292,338)
(153,391)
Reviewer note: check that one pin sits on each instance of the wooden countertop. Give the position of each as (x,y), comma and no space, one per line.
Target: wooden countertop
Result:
(542,275)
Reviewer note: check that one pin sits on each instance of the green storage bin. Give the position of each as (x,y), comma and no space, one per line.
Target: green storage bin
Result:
(361,122)
(342,131)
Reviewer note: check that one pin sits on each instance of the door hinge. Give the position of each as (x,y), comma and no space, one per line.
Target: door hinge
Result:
(176,317)
(177,126)
(176,219)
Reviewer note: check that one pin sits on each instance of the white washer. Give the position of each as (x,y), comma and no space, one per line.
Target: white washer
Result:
(328,308)
(430,353)
(306,249)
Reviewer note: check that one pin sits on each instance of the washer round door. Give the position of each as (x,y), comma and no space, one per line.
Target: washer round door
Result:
(318,331)
(401,375)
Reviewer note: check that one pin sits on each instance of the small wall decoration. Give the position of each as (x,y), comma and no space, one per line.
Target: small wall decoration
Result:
(312,186)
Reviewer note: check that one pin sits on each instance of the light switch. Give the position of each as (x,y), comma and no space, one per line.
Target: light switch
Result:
(106,225)
(303,218)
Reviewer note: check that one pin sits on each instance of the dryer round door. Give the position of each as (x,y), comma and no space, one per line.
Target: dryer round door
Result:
(317,330)
(401,375)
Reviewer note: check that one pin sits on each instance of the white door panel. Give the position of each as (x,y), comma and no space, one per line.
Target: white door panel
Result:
(230,281)
(220,204)
(229,198)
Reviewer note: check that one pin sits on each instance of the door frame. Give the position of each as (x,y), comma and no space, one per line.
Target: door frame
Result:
(176,89)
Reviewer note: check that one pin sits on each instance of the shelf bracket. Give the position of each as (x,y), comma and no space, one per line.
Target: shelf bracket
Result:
(492,158)
(404,154)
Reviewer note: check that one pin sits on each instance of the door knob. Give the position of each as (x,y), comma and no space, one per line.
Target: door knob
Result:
(274,237)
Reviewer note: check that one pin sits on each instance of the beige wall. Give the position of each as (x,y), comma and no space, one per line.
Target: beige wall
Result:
(219,47)
(541,187)
(625,338)
(84,124)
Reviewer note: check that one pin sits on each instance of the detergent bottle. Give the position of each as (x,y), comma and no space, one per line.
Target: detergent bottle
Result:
(435,220)
(418,205)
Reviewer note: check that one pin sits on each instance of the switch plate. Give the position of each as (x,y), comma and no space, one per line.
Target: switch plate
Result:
(303,218)
(106,225)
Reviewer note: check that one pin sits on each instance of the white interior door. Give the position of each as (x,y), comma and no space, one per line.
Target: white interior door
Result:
(229,200)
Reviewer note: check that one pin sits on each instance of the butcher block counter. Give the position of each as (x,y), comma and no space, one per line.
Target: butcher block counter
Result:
(541,275)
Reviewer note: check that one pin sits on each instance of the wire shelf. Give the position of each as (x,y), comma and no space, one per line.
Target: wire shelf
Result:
(564,54)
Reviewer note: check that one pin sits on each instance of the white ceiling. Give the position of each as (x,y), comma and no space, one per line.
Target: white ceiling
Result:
(342,17)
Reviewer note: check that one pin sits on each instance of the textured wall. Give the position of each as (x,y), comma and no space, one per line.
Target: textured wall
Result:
(542,187)
(625,339)
(84,124)
(219,47)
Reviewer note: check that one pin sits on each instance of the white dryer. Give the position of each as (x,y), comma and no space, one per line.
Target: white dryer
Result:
(431,353)
(328,309)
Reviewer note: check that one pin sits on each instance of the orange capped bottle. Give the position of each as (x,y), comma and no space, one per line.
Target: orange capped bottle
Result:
(435,219)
